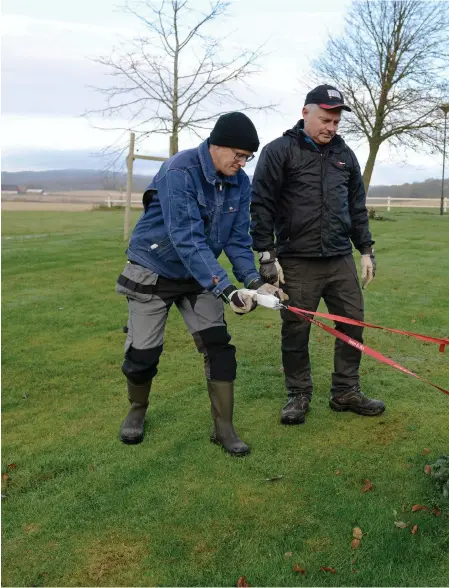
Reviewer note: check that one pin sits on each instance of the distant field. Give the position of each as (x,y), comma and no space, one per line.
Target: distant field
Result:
(80,508)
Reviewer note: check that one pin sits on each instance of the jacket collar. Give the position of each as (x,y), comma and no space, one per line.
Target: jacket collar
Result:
(209,171)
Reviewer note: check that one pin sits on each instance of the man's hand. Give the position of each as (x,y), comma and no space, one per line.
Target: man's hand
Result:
(368,264)
(240,301)
(270,289)
(270,269)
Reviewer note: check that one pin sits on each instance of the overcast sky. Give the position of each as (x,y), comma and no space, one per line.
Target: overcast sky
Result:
(47,77)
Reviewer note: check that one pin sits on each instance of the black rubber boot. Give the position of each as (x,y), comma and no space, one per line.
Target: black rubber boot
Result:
(132,431)
(221,396)
(294,412)
(355,401)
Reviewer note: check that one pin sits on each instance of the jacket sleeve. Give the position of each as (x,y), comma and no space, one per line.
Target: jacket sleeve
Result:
(185,228)
(238,248)
(360,233)
(267,184)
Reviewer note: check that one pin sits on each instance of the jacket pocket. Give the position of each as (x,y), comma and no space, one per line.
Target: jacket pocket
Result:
(227,218)
(137,282)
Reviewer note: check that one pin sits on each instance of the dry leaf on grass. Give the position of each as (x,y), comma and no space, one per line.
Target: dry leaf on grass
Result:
(242,583)
(5,477)
(288,554)
(414,530)
(298,569)
(357,533)
(367,486)
(416,507)
(436,511)
(426,450)
(355,543)
(337,472)
(328,569)
(427,469)
(11,466)
(401,524)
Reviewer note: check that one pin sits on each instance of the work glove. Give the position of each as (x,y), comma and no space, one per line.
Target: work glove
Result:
(270,289)
(240,301)
(270,269)
(368,264)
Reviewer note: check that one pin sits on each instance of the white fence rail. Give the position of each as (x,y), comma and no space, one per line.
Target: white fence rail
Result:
(387,201)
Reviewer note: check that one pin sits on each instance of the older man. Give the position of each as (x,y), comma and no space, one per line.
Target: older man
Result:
(196,207)
(308,194)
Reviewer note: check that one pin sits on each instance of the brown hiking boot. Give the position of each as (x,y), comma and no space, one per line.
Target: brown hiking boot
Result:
(221,396)
(294,412)
(132,429)
(355,401)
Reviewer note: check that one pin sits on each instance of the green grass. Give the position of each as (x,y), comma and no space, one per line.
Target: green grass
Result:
(82,509)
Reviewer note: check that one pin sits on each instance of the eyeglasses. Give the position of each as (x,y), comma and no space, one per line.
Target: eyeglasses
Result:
(242,157)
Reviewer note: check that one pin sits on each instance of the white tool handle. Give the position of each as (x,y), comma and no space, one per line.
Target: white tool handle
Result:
(267,300)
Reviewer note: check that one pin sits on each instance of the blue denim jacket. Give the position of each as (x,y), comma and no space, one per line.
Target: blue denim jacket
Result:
(195,215)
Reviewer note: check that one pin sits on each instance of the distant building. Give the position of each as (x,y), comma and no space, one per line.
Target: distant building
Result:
(34,191)
(10,189)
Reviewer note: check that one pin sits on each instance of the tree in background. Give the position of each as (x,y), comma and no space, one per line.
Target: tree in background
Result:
(176,77)
(391,63)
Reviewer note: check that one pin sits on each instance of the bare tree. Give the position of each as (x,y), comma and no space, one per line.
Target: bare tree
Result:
(176,77)
(392,65)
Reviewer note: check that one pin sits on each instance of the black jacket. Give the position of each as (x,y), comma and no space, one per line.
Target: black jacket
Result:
(312,198)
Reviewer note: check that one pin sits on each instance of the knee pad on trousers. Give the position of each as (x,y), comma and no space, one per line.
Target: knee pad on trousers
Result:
(140,365)
(220,355)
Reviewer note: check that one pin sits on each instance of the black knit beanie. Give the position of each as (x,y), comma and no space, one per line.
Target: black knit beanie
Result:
(236,130)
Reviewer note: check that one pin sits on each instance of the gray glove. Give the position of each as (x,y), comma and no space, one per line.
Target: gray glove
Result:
(270,269)
(368,264)
(240,301)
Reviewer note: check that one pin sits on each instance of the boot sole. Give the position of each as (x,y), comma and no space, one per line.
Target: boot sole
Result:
(231,453)
(131,440)
(290,420)
(345,408)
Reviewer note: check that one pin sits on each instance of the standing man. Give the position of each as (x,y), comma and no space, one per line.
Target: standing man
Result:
(196,207)
(308,191)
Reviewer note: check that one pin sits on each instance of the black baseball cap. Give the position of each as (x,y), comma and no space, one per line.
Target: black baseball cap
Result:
(326,97)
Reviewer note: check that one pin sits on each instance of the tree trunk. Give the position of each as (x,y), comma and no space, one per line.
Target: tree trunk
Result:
(368,171)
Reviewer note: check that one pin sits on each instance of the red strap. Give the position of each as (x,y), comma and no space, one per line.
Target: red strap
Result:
(360,346)
(343,319)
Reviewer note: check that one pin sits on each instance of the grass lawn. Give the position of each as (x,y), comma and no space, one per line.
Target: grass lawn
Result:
(82,509)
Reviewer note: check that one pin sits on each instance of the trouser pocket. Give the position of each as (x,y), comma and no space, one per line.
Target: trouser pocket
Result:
(137,282)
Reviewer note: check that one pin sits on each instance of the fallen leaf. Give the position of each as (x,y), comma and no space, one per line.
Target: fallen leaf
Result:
(357,533)
(328,569)
(414,530)
(413,320)
(401,524)
(416,507)
(436,511)
(426,450)
(268,326)
(5,477)
(427,469)
(11,466)
(288,554)
(367,486)
(354,571)
(337,472)
(298,569)
(274,478)
(91,467)
(355,543)
(242,583)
